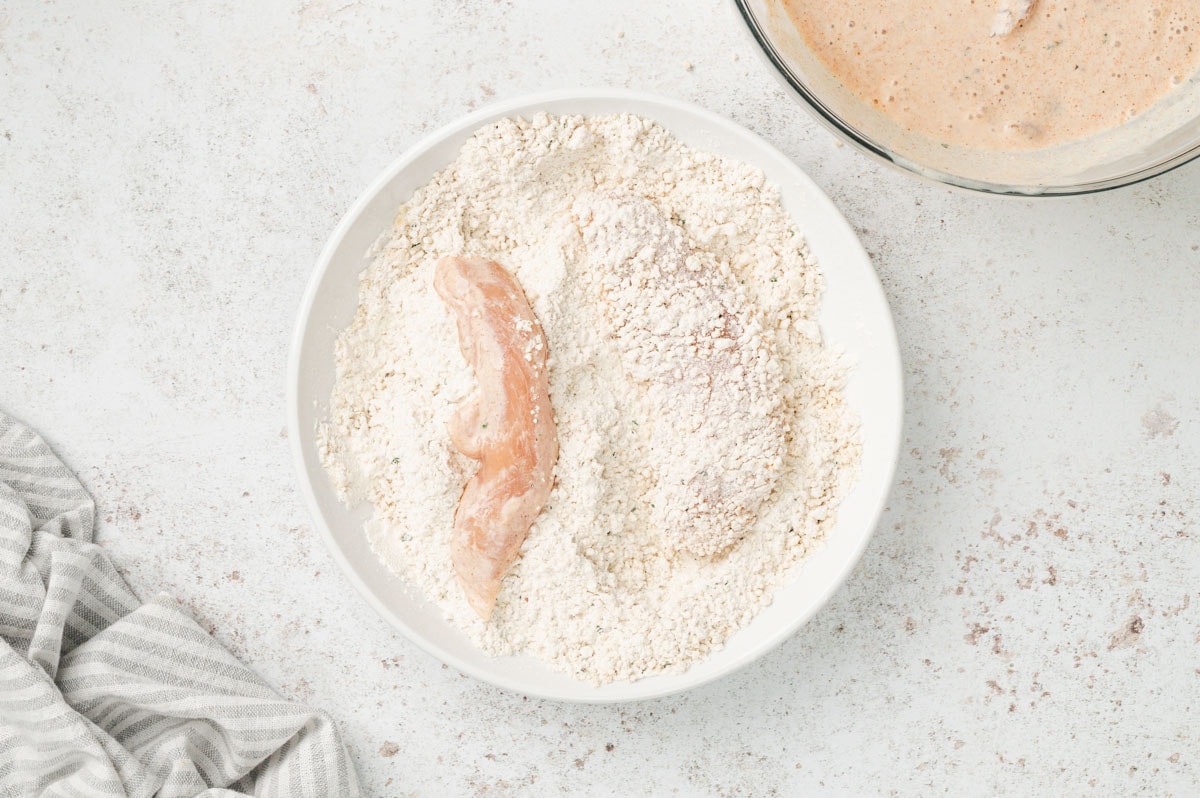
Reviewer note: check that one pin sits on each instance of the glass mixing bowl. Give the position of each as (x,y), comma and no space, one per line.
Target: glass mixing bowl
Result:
(1157,140)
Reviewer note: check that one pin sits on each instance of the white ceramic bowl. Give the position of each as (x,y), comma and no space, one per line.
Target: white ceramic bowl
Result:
(854,317)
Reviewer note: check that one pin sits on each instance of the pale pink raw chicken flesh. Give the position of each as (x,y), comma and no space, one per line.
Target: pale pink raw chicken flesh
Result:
(507,425)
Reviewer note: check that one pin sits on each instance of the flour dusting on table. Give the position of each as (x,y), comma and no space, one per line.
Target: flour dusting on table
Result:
(685,494)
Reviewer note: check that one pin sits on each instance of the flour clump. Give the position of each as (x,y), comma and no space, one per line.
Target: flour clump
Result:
(704,440)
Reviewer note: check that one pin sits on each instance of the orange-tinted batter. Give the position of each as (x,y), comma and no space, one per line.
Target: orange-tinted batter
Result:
(1069,69)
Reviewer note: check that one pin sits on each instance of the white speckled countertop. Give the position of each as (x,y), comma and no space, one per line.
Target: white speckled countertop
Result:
(1027,618)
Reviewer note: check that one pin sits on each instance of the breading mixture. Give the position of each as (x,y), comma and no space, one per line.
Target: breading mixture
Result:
(704,443)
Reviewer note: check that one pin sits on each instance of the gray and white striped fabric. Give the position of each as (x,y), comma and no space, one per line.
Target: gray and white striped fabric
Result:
(102,695)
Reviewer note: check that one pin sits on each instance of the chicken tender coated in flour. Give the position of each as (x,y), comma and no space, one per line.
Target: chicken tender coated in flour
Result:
(507,425)
(686,332)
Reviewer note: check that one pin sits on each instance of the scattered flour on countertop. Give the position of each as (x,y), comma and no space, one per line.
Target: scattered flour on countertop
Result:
(611,584)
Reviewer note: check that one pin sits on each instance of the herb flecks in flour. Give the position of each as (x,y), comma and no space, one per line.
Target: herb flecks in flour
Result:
(609,584)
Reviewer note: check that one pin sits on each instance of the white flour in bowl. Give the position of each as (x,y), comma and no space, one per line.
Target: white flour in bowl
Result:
(638,254)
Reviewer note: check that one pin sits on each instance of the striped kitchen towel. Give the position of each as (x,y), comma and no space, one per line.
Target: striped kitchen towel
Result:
(102,695)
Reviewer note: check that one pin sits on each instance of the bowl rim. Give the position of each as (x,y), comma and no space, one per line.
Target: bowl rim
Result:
(845,132)
(889,343)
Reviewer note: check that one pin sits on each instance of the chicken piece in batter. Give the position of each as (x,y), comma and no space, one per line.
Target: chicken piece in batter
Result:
(1010,14)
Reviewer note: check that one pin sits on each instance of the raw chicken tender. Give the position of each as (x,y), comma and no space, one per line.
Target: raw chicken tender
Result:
(507,425)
